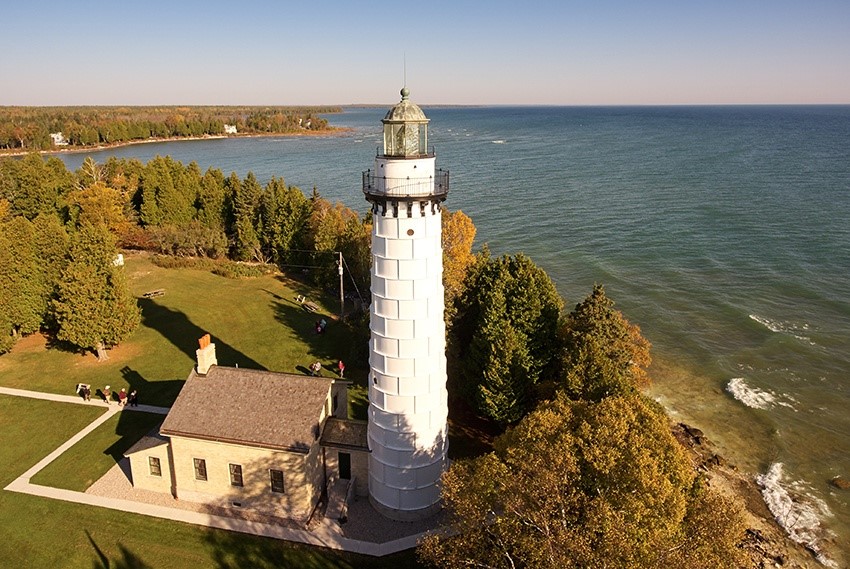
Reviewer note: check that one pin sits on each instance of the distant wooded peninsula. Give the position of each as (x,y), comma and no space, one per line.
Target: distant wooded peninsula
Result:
(24,129)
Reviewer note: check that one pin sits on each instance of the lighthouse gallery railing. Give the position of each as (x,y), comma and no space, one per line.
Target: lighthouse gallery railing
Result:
(378,186)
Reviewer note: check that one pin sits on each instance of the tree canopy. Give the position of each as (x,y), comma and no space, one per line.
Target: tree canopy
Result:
(165,207)
(93,307)
(504,338)
(29,128)
(602,353)
(584,484)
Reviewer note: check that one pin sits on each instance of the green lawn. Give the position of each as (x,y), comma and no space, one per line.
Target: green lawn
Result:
(38,532)
(84,463)
(254,323)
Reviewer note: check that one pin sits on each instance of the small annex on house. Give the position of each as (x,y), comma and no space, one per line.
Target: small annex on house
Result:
(270,442)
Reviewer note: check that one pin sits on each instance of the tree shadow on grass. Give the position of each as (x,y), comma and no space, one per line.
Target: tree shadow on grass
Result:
(127,559)
(176,327)
(236,551)
(330,345)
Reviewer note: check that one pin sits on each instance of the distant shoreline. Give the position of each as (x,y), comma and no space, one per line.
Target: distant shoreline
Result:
(334,131)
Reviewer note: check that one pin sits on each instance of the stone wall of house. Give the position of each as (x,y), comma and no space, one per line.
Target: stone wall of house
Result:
(359,468)
(140,469)
(302,475)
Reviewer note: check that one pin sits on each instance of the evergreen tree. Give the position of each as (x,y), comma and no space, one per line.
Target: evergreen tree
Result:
(602,354)
(504,341)
(164,201)
(284,211)
(21,280)
(32,254)
(50,242)
(33,185)
(210,203)
(94,308)
(246,201)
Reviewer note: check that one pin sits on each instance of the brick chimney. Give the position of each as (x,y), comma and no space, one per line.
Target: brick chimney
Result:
(206,355)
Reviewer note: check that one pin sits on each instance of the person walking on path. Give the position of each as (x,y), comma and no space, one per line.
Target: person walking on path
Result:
(341,367)
(122,397)
(107,395)
(133,399)
(87,392)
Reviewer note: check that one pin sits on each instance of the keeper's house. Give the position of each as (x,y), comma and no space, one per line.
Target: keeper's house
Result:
(265,441)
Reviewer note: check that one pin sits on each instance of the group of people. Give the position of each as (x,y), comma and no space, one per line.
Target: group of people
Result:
(316,368)
(124,398)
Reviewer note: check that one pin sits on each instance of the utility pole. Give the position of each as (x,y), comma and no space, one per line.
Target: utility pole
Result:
(341,295)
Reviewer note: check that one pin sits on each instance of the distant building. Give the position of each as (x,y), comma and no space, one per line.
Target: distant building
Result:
(265,441)
(58,139)
(230,129)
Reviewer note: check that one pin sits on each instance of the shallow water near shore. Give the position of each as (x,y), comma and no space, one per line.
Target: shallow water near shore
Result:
(723,231)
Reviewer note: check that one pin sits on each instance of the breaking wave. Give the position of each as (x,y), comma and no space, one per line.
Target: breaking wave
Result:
(756,398)
(796,510)
(789,328)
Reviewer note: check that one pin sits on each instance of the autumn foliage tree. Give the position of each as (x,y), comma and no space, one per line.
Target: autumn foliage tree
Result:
(584,484)
(457,237)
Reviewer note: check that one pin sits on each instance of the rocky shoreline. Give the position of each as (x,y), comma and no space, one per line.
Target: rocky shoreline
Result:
(766,542)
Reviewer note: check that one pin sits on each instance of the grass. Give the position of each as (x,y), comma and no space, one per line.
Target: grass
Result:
(39,532)
(84,463)
(254,323)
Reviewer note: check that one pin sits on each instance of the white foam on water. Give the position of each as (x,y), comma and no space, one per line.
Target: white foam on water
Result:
(497,141)
(756,398)
(790,328)
(796,510)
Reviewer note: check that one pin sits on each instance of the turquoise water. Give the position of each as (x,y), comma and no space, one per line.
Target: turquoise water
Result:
(723,231)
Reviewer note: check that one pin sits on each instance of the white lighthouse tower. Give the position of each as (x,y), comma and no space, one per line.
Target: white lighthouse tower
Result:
(408,401)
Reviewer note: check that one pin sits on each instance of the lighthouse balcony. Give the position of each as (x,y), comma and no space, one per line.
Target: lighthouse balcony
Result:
(380,187)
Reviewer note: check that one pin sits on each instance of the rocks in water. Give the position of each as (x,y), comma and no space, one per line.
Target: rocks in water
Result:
(697,436)
(840,483)
(716,460)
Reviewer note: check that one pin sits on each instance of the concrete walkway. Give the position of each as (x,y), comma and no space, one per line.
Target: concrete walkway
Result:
(77,400)
(326,534)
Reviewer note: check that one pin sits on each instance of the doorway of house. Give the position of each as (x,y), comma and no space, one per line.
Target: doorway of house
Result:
(345,466)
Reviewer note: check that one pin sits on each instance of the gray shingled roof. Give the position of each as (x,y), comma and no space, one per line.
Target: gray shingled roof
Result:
(345,433)
(249,407)
(150,440)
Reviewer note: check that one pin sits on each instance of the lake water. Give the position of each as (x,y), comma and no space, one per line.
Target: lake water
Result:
(723,231)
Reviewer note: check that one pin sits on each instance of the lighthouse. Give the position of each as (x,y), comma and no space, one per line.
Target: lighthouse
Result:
(408,401)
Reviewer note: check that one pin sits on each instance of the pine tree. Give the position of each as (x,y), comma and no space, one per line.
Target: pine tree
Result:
(504,339)
(21,280)
(245,200)
(603,353)
(284,211)
(94,308)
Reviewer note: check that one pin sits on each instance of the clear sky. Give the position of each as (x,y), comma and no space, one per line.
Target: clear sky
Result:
(562,52)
